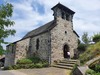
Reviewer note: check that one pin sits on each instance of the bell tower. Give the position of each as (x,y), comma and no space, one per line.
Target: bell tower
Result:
(63,12)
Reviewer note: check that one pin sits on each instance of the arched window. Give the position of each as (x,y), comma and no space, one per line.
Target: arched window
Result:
(37,44)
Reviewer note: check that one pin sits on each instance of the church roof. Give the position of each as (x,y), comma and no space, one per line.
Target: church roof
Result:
(63,8)
(40,30)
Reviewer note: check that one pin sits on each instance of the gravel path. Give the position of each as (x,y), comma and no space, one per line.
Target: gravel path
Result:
(46,71)
(42,71)
(11,72)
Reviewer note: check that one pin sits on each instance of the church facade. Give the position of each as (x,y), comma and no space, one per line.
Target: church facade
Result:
(50,42)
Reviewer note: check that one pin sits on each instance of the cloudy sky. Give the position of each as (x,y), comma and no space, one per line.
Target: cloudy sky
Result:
(30,14)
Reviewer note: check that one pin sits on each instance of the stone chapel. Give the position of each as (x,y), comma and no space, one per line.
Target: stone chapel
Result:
(50,42)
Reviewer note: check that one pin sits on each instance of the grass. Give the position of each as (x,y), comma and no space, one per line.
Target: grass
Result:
(91,52)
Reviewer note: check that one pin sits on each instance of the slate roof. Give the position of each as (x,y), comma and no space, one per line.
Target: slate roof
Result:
(40,30)
(63,8)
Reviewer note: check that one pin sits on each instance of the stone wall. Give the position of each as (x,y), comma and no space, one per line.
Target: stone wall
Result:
(44,46)
(22,48)
(10,55)
(16,51)
(62,34)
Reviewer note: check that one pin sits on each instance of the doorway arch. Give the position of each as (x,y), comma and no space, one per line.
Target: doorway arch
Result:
(65,50)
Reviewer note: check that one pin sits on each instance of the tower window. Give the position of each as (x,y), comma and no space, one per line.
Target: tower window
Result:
(63,15)
(67,17)
(37,44)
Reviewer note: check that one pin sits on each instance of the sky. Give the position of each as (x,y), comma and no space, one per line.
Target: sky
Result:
(31,14)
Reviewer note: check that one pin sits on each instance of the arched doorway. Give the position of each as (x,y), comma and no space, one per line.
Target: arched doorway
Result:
(65,50)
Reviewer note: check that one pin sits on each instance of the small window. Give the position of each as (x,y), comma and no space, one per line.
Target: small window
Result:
(37,44)
(65,32)
(67,17)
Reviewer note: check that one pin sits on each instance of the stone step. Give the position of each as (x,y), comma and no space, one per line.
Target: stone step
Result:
(64,67)
(68,62)
(64,64)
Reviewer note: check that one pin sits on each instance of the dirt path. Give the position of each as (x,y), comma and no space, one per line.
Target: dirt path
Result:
(11,72)
(46,71)
(42,71)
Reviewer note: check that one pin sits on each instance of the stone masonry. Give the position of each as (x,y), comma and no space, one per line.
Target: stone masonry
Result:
(60,35)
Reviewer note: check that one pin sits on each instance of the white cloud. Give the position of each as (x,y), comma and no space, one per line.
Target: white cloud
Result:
(89,4)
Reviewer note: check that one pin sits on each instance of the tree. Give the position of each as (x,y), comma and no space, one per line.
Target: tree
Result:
(85,38)
(5,22)
(96,38)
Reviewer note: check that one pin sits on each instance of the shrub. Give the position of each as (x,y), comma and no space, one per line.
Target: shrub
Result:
(24,61)
(82,47)
(35,59)
(97,67)
(45,64)
(8,68)
(90,72)
(96,38)
(38,65)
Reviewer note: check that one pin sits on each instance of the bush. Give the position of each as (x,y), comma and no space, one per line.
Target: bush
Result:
(97,67)
(28,63)
(38,65)
(45,64)
(90,72)
(35,59)
(82,47)
(8,68)
(96,38)
(24,61)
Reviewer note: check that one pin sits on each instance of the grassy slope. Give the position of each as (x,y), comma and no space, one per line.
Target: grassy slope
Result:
(91,52)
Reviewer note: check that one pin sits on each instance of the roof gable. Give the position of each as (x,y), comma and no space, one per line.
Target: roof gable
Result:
(40,30)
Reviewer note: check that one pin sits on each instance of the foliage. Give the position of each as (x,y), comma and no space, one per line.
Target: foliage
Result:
(5,22)
(89,71)
(91,52)
(27,66)
(74,68)
(82,47)
(24,61)
(28,63)
(96,38)
(35,59)
(92,72)
(97,68)
(85,38)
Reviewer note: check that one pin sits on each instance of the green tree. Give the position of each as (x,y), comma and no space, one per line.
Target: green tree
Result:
(85,38)
(96,38)
(6,10)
